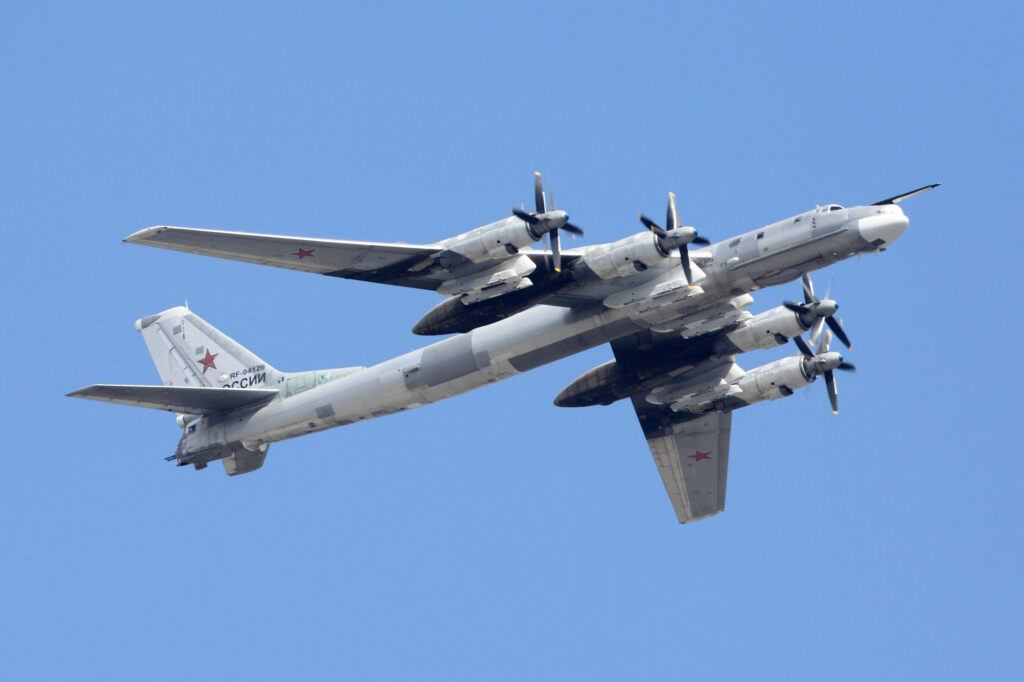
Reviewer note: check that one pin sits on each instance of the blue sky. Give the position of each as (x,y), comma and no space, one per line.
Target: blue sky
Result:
(495,536)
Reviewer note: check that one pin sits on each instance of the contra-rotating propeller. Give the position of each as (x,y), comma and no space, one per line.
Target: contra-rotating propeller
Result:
(546,219)
(824,363)
(816,312)
(673,236)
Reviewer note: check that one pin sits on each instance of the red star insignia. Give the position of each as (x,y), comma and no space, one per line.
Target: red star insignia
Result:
(302,253)
(207,362)
(699,456)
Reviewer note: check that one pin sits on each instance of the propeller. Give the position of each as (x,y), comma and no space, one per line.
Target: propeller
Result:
(816,312)
(824,363)
(546,220)
(673,236)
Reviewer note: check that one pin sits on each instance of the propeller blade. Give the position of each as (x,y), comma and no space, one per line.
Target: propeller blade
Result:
(816,329)
(551,198)
(531,218)
(833,393)
(701,241)
(798,308)
(684,257)
(840,334)
(569,227)
(538,194)
(808,289)
(900,197)
(671,216)
(826,341)
(847,367)
(555,252)
(548,249)
(802,345)
(652,226)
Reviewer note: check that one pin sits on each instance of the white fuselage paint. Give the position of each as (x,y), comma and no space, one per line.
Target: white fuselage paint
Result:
(771,255)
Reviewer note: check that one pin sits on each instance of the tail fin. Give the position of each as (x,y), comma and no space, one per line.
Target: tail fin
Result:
(188,351)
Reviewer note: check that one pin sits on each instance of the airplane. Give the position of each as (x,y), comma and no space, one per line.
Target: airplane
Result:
(675,317)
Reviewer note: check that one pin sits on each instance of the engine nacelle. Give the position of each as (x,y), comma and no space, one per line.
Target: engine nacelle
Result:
(497,240)
(625,257)
(772,381)
(766,330)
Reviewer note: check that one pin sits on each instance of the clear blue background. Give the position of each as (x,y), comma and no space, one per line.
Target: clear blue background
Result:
(495,536)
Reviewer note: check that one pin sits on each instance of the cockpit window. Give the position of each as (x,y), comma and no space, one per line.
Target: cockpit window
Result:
(835,207)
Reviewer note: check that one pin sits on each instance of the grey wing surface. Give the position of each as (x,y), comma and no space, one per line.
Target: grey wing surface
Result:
(692,456)
(401,264)
(184,399)
(690,451)
(408,265)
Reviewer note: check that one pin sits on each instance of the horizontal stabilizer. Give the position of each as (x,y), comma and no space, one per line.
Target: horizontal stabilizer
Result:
(183,399)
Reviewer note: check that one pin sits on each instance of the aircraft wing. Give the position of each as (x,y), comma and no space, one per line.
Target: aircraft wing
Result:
(370,261)
(183,399)
(691,451)
(692,456)
(408,265)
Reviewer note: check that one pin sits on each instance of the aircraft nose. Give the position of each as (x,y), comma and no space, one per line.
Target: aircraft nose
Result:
(884,228)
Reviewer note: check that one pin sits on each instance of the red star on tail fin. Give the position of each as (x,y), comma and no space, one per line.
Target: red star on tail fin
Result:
(207,362)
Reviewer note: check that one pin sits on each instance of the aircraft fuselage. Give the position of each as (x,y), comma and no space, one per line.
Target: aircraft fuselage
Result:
(771,255)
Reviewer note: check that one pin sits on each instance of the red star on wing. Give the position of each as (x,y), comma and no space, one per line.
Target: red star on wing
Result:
(207,362)
(699,456)
(302,253)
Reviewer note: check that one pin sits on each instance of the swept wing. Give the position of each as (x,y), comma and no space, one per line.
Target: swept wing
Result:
(408,265)
(692,456)
(690,451)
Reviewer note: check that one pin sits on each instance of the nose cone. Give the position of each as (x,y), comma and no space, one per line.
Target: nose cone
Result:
(882,229)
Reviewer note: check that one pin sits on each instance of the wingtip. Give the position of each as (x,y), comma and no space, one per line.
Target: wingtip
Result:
(143,234)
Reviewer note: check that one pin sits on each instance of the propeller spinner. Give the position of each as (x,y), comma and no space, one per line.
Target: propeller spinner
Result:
(824,363)
(673,236)
(818,312)
(547,219)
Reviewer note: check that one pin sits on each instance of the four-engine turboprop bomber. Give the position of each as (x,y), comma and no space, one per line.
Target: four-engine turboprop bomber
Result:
(672,305)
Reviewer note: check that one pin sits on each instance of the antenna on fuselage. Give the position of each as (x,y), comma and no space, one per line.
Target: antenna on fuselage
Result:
(900,197)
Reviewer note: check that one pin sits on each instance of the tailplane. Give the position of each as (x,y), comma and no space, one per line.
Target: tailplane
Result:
(206,375)
(209,380)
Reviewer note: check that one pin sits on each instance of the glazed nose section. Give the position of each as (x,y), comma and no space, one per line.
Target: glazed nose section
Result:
(883,228)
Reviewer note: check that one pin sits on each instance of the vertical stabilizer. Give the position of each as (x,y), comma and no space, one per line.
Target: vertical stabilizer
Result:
(188,351)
